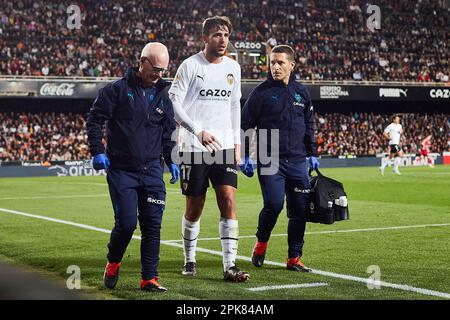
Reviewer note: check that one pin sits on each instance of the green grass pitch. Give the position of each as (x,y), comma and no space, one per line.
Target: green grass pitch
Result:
(416,256)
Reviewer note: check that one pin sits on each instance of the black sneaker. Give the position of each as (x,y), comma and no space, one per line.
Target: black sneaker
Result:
(152,285)
(189,269)
(233,274)
(259,253)
(111,275)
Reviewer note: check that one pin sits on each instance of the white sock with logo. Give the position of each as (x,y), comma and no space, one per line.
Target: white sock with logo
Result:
(396,163)
(190,231)
(229,232)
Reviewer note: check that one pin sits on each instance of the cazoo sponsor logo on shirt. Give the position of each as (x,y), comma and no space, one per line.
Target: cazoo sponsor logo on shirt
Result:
(214,94)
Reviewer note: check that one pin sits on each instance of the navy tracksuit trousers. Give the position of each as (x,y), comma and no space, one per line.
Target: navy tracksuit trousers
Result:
(291,180)
(137,194)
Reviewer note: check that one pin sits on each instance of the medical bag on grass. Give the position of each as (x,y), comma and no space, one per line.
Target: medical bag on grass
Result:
(328,200)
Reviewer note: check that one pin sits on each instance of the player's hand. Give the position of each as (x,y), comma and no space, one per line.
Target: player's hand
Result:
(209,141)
(175,172)
(247,167)
(100,161)
(314,163)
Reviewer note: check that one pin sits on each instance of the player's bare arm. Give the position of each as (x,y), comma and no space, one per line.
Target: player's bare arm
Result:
(237,153)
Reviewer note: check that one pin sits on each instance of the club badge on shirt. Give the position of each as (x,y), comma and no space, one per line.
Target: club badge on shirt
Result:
(298,101)
(230,79)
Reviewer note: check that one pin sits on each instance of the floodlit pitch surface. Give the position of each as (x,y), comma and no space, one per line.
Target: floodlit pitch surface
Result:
(400,225)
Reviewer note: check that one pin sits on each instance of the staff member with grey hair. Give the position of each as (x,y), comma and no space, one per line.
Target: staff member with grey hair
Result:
(140,122)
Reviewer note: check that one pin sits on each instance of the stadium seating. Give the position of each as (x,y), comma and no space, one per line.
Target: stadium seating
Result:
(42,137)
(61,136)
(331,39)
(361,133)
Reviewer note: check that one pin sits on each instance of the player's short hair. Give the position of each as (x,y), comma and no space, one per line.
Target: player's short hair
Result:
(216,22)
(284,48)
(395,116)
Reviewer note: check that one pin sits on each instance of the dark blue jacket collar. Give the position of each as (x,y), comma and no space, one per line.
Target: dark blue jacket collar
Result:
(132,78)
(280,83)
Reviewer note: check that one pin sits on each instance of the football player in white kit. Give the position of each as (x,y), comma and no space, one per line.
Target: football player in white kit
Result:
(206,96)
(393,133)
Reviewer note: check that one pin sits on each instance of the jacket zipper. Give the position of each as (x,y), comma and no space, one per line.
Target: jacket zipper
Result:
(290,120)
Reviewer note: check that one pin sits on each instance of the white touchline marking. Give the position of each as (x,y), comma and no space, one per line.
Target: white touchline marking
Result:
(80,225)
(340,231)
(102,184)
(334,275)
(289,286)
(82,183)
(56,197)
(267,262)
(70,223)
(67,196)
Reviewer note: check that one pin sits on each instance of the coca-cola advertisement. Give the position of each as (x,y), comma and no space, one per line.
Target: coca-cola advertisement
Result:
(57,89)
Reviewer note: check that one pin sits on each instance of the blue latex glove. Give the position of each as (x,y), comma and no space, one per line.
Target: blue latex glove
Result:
(247,167)
(314,163)
(100,162)
(175,171)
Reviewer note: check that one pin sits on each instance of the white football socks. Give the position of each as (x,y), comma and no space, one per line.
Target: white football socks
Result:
(229,232)
(396,163)
(190,231)
(384,164)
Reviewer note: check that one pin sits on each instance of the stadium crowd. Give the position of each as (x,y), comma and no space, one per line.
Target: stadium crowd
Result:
(61,136)
(331,38)
(42,137)
(361,133)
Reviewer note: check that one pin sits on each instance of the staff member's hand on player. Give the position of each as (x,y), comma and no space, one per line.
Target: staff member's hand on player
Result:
(209,141)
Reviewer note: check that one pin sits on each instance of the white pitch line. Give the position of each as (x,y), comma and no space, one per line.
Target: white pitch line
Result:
(340,231)
(267,262)
(289,286)
(56,197)
(66,196)
(333,275)
(101,184)
(70,223)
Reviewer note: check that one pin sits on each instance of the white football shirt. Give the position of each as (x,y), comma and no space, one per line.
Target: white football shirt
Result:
(209,94)
(394,131)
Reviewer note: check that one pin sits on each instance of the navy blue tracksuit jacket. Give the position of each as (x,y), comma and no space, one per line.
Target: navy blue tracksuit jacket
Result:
(288,108)
(139,124)
(273,105)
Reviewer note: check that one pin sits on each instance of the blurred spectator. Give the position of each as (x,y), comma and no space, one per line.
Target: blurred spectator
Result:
(359,134)
(330,37)
(59,136)
(42,137)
